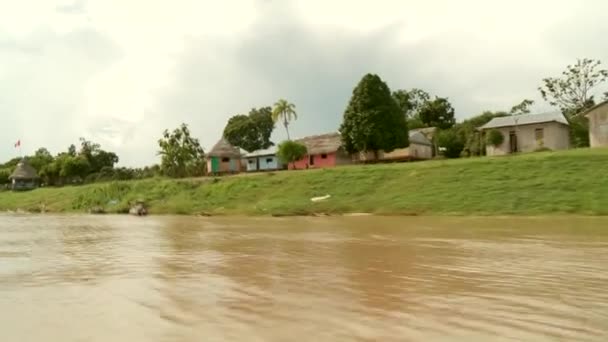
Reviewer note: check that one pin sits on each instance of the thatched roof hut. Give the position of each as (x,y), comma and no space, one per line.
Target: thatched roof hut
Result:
(24,171)
(224,149)
(322,144)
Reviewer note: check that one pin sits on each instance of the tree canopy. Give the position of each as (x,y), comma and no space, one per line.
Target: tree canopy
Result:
(437,113)
(291,151)
(373,120)
(181,154)
(251,132)
(573,91)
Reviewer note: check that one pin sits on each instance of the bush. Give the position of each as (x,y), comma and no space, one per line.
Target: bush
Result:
(290,151)
(451,143)
(543,149)
(495,138)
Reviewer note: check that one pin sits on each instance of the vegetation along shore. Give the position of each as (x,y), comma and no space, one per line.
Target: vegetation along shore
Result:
(565,182)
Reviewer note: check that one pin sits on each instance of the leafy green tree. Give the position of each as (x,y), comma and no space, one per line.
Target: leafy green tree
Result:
(4,176)
(372,119)
(574,90)
(495,138)
(75,168)
(181,154)
(291,151)
(522,108)
(468,129)
(72,150)
(285,112)
(410,101)
(251,132)
(96,157)
(451,142)
(438,113)
(40,159)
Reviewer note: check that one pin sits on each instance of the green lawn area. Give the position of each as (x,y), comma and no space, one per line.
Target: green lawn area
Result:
(568,182)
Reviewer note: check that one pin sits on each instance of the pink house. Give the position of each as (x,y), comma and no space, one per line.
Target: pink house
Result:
(323,151)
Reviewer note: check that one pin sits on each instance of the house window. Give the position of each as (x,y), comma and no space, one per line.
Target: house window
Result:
(225,160)
(269,160)
(311,160)
(324,156)
(539,134)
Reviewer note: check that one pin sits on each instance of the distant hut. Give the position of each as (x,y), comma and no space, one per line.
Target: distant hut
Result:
(24,177)
(224,158)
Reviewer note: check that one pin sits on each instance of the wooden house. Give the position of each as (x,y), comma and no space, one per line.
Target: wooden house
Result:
(224,159)
(598,124)
(263,160)
(323,151)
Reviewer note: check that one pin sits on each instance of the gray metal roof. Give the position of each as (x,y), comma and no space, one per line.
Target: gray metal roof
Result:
(417,137)
(261,153)
(588,111)
(527,119)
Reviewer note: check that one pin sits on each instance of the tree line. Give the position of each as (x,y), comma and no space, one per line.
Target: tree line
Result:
(86,164)
(374,119)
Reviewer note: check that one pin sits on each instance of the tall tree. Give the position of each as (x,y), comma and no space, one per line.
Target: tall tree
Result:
(285,112)
(41,158)
(522,108)
(410,101)
(181,154)
(251,132)
(438,113)
(574,90)
(372,119)
(97,158)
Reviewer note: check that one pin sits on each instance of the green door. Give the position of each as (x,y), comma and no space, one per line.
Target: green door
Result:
(215,164)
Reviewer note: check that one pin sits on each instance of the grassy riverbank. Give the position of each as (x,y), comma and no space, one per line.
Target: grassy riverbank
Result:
(570,182)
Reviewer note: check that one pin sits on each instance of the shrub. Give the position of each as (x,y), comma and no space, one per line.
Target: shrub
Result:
(495,138)
(290,151)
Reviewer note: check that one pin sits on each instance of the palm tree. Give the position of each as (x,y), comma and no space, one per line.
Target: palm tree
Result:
(285,111)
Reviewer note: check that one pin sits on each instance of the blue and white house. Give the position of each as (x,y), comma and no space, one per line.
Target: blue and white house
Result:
(263,160)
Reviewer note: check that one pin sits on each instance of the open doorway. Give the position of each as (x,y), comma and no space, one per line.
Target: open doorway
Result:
(513,142)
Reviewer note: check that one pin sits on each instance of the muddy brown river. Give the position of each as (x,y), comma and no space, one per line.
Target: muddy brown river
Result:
(123,279)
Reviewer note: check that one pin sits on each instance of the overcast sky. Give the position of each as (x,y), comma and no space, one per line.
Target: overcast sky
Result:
(121,71)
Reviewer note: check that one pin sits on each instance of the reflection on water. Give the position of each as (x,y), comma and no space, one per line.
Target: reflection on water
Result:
(180,279)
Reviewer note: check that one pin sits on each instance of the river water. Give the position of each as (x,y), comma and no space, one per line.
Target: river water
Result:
(111,278)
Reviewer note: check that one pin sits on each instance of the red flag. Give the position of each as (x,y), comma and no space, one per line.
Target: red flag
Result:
(18,143)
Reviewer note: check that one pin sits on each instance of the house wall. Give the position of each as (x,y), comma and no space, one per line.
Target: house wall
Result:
(555,136)
(414,151)
(224,166)
(598,126)
(252,164)
(268,163)
(319,162)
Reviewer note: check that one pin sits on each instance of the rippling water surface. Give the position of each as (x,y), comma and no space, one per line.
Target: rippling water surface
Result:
(79,278)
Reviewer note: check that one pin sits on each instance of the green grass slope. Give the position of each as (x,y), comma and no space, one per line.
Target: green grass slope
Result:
(574,182)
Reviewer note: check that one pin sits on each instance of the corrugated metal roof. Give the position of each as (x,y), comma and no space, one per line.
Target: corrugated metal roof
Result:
(416,137)
(260,153)
(527,119)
